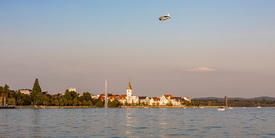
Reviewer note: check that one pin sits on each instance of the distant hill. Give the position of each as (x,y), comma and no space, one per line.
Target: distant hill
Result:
(263,97)
(208,98)
(236,98)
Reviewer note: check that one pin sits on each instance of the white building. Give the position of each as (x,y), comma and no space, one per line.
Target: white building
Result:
(130,98)
(72,89)
(26,91)
(165,99)
(186,99)
(154,101)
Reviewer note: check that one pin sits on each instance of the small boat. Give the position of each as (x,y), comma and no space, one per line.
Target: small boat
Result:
(221,109)
(230,108)
(7,107)
(258,105)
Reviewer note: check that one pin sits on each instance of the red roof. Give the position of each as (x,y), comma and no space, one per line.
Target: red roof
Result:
(122,96)
(113,96)
(156,99)
(54,96)
(101,97)
(166,96)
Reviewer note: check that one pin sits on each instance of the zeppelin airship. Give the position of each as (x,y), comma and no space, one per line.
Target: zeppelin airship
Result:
(165,17)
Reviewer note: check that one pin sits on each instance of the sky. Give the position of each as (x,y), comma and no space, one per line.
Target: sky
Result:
(206,49)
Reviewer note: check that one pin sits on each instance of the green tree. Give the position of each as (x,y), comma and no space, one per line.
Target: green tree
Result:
(99,103)
(1,90)
(79,103)
(26,99)
(56,102)
(65,101)
(35,90)
(90,102)
(85,103)
(114,103)
(6,89)
(61,102)
(19,100)
(69,96)
(85,96)
(75,102)
(44,99)
(185,102)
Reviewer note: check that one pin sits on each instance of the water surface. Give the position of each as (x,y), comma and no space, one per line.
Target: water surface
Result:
(138,122)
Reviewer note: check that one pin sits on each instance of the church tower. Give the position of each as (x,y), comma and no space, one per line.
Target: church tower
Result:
(129,89)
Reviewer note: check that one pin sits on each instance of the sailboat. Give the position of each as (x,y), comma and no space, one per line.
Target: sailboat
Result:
(258,106)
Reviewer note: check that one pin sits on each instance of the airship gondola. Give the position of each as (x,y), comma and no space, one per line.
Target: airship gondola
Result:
(165,17)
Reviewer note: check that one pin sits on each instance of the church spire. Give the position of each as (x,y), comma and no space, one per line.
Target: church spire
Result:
(129,87)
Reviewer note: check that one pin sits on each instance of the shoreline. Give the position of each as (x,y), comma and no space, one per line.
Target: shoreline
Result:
(71,107)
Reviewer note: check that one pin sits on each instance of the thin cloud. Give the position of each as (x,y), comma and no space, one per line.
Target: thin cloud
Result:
(201,69)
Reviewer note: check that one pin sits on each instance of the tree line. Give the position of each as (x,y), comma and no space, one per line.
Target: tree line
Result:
(236,103)
(37,97)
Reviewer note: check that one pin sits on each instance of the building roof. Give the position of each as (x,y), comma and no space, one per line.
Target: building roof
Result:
(177,98)
(122,96)
(54,96)
(166,96)
(155,99)
(101,97)
(113,96)
(142,97)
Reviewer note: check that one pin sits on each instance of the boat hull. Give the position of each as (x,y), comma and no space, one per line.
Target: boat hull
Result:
(7,107)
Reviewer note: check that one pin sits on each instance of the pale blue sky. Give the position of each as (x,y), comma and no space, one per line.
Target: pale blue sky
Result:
(82,43)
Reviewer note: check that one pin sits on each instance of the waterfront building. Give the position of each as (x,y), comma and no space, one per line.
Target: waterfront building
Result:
(154,101)
(25,91)
(165,99)
(122,99)
(144,99)
(186,99)
(94,96)
(130,98)
(113,97)
(101,97)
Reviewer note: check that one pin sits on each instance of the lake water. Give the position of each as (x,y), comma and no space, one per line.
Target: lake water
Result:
(138,122)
